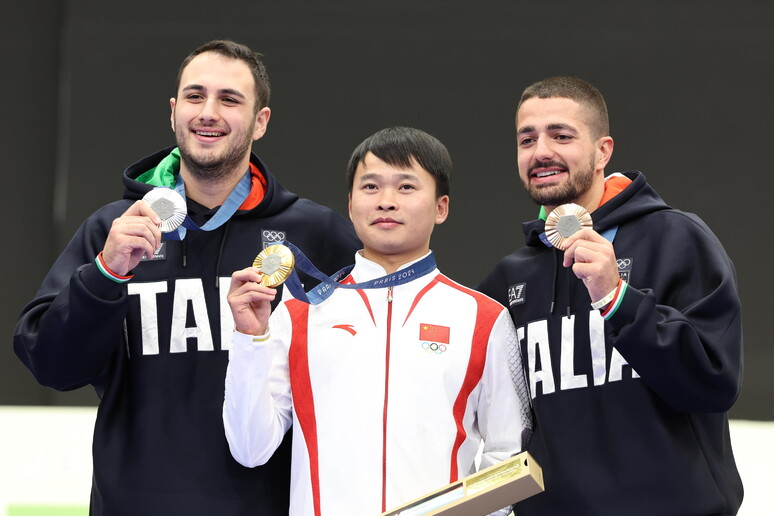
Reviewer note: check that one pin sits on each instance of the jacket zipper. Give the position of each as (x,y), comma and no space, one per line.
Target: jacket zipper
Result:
(386,396)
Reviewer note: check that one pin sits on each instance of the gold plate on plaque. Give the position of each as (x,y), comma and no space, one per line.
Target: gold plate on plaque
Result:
(276,263)
(564,221)
(484,492)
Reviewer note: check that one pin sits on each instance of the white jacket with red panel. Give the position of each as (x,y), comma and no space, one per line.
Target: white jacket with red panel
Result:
(390,392)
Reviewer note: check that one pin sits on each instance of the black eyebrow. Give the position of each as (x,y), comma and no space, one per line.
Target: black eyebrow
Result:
(373,176)
(551,127)
(562,127)
(224,91)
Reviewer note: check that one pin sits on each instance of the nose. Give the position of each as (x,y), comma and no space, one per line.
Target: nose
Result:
(387,201)
(543,149)
(209,110)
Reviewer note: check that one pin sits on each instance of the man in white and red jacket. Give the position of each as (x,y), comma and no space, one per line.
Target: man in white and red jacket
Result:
(392,387)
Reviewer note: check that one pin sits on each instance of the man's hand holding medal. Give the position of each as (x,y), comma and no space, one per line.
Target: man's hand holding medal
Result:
(591,256)
(253,289)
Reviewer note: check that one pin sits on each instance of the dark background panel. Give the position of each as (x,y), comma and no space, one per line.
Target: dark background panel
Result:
(688,86)
(30,62)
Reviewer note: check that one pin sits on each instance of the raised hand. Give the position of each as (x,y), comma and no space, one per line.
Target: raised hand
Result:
(134,234)
(250,301)
(592,259)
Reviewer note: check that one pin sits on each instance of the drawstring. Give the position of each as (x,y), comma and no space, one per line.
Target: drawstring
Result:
(220,252)
(553,284)
(553,280)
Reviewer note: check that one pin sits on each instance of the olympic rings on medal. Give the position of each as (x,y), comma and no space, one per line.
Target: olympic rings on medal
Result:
(434,347)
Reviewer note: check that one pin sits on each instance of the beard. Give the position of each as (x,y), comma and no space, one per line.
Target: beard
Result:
(211,166)
(578,183)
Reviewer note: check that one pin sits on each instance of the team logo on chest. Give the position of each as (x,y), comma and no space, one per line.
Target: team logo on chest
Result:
(158,254)
(272,236)
(516,294)
(434,338)
(625,268)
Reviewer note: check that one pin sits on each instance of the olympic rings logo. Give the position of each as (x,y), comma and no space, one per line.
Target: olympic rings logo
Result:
(624,263)
(271,235)
(434,347)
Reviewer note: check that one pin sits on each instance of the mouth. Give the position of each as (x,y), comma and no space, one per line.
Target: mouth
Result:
(385,222)
(546,172)
(208,134)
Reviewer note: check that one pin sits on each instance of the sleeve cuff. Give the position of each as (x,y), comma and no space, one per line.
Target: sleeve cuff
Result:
(246,339)
(99,286)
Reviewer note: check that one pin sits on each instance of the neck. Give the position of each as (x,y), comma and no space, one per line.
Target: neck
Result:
(391,263)
(211,192)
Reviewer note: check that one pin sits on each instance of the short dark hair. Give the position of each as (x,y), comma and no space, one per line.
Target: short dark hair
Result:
(582,92)
(402,147)
(242,53)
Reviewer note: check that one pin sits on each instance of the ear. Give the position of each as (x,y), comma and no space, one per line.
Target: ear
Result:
(442,209)
(172,114)
(604,152)
(261,123)
(349,206)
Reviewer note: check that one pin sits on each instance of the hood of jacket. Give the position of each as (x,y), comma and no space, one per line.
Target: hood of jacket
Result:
(275,199)
(637,199)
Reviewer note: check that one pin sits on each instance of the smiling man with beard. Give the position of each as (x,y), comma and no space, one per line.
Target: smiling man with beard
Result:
(631,331)
(143,318)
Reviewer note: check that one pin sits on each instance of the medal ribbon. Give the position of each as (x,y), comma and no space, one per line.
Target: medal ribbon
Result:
(225,212)
(328,284)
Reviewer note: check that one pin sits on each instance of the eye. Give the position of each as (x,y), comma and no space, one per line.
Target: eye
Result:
(407,186)
(563,137)
(230,100)
(368,186)
(194,96)
(525,141)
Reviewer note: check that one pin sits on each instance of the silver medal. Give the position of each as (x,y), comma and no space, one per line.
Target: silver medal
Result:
(168,205)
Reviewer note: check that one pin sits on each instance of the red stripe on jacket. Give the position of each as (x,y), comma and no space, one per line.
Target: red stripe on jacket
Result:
(487,312)
(301,385)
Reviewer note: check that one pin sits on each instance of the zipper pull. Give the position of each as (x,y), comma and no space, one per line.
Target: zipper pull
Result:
(389,294)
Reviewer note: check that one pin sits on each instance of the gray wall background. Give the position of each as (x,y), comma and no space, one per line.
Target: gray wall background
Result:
(85,91)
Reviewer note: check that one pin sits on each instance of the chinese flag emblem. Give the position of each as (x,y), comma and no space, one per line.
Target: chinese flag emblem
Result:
(434,333)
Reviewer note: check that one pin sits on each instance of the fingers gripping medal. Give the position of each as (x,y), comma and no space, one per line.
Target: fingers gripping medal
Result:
(276,263)
(169,206)
(564,221)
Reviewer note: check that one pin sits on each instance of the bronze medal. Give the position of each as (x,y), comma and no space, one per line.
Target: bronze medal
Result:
(564,221)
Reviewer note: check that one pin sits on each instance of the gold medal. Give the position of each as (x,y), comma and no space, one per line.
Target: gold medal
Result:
(169,206)
(564,221)
(276,263)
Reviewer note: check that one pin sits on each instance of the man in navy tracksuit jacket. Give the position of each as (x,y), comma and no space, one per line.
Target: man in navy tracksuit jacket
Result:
(630,332)
(145,321)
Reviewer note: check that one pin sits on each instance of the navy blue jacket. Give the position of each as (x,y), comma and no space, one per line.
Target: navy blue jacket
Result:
(155,350)
(630,413)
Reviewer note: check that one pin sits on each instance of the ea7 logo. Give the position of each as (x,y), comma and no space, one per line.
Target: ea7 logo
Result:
(516,294)
(158,254)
